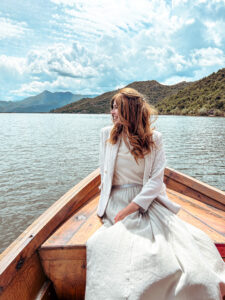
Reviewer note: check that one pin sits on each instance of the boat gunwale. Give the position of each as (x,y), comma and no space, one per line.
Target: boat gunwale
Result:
(195,184)
(13,258)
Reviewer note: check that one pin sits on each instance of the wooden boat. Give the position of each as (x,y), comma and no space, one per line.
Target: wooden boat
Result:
(48,260)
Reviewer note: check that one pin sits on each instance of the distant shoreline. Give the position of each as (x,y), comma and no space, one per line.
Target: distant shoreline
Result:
(64,113)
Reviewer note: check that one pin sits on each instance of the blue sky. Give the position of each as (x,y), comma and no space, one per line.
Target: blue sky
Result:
(91,47)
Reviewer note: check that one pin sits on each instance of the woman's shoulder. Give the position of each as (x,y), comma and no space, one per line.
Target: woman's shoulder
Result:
(156,135)
(106,129)
(157,138)
(105,132)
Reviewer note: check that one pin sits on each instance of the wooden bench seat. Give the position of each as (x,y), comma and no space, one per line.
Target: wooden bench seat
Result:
(63,255)
(207,218)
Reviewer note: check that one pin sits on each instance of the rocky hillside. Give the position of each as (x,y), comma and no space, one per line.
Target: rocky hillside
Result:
(204,97)
(153,91)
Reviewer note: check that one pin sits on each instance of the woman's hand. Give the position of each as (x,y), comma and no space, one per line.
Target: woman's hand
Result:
(129,209)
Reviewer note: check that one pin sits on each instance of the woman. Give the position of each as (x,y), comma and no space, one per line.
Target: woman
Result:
(144,251)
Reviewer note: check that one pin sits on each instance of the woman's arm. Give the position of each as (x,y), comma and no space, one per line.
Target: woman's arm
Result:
(154,185)
(129,209)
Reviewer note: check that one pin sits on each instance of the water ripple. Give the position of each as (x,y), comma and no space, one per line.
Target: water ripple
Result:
(44,155)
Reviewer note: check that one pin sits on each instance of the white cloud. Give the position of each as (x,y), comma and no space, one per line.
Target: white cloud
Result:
(12,29)
(64,60)
(96,46)
(37,86)
(12,64)
(64,2)
(98,18)
(178,2)
(215,31)
(176,79)
(207,57)
(30,88)
(208,3)
(59,84)
(58,67)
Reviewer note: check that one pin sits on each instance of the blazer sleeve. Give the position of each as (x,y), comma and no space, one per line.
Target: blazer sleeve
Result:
(154,185)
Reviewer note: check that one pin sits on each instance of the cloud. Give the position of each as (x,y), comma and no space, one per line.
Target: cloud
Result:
(94,47)
(12,65)
(176,79)
(207,57)
(58,67)
(95,19)
(215,31)
(12,29)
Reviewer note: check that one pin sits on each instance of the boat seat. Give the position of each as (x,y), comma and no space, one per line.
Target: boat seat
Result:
(63,255)
(205,217)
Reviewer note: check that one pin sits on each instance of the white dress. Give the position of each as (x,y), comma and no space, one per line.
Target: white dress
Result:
(150,256)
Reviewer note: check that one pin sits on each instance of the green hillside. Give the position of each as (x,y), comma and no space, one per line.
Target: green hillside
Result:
(203,97)
(153,91)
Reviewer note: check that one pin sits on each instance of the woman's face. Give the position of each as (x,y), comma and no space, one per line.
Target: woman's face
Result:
(115,113)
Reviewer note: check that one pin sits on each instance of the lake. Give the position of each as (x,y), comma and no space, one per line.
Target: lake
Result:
(44,155)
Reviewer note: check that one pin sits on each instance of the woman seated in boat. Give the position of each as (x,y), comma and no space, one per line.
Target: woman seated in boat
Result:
(143,250)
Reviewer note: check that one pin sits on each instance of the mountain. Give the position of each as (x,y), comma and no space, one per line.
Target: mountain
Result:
(153,91)
(43,102)
(4,105)
(204,97)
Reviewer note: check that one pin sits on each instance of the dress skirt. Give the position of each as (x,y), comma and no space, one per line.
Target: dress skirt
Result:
(151,256)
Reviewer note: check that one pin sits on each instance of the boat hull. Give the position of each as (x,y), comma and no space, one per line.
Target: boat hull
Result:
(43,260)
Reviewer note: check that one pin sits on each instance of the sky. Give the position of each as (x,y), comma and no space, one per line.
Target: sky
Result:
(95,46)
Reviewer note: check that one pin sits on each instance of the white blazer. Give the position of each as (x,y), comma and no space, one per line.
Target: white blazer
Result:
(153,186)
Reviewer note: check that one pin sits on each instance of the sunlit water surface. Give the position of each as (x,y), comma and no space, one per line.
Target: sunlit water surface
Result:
(44,155)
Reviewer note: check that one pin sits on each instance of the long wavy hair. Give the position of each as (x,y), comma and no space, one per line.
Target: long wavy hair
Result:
(135,120)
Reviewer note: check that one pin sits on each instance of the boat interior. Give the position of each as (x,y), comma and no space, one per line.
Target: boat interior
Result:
(51,255)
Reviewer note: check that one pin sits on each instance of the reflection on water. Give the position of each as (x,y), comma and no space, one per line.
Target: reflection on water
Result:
(44,155)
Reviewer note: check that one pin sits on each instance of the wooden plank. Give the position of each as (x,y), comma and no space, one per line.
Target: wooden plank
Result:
(197,185)
(86,231)
(24,247)
(46,292)
(14,259)
(68,277)
(203,212)
(186,200)
(68,253)
(66,231)
(75,290)
(27,282)
(66,265)
(185,190)
(189,218)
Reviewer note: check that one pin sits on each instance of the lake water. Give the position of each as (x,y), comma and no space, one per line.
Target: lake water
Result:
(44,155)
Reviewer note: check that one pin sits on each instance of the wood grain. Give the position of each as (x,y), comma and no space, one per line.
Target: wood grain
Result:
(46,292)
(207,215)
(25,246)
(186,190)
(67,230)
(63,254)
(68,277)
(27,282)
(194,184)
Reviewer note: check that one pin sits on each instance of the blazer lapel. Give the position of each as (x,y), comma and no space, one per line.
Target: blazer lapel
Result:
(113,153)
